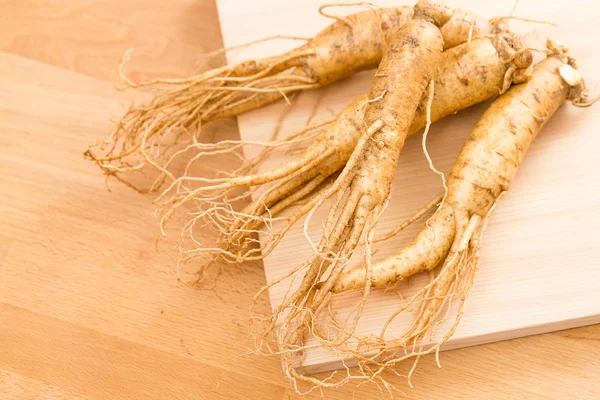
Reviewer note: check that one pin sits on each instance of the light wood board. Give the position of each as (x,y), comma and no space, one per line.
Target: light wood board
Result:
(540,265)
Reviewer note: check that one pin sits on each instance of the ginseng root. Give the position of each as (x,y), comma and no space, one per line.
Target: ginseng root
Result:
(362,190)
(482,172)
(155,134)
(467,74)
(146,133)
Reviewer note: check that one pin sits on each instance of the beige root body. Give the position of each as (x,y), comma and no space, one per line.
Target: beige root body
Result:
(467,74)
(361,192)
(150,135)
(482,172)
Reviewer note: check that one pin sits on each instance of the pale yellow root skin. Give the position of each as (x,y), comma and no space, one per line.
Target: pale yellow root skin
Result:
(482,171)
(145,136)
(467,74)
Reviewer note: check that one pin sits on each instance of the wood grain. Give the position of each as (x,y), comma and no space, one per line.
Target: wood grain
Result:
(88,308)
(91,36)
(526,245)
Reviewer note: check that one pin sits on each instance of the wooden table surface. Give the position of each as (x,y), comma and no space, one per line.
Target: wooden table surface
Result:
(88,308)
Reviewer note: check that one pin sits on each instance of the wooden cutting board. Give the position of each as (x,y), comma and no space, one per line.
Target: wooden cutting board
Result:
(540,266)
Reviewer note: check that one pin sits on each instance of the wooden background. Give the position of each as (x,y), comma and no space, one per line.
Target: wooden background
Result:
(88,308)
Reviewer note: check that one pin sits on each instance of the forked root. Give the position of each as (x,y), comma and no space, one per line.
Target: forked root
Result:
(361,193)
(429,307)
(147,134)
(433,304)
(352,213)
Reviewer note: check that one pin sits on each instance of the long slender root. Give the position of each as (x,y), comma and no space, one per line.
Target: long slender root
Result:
(361,192)
(149,134)
(445,295)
